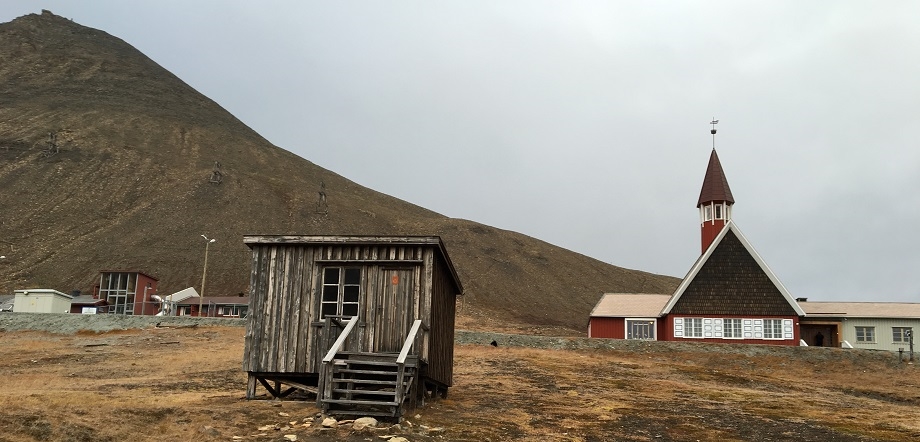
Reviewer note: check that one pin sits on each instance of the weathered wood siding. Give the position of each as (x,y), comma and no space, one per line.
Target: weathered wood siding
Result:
(443,309)
(285,333)
(282,289)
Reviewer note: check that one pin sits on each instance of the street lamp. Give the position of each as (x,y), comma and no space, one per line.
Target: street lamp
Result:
(204,274)
(144,304)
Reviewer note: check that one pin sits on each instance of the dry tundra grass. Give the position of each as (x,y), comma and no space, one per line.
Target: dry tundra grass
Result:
(186,384)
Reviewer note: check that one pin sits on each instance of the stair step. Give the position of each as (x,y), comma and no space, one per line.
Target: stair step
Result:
(364,381)
(359,402)
(368,392)
(360,362)
(361,413)
(356,371)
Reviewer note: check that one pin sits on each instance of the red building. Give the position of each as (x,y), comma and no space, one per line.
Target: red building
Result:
(215,306)
(127,292)
(729,295)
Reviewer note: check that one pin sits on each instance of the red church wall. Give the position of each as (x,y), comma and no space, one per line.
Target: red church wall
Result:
(661,329)
(614,328)
(667,324)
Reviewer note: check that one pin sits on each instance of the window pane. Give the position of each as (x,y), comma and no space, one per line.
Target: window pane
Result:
(350,309)
(351,293)
(331,275)
(329,309)
(353,276)
(330,293)
(900,334)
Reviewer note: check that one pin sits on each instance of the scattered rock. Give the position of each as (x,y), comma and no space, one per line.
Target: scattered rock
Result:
(290,437)
(428,429)
(209,430)
(267,427)
(283,414)
(398,439)
(364,422)
(329,422)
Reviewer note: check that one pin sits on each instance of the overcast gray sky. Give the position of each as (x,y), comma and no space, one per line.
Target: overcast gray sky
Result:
(584,124)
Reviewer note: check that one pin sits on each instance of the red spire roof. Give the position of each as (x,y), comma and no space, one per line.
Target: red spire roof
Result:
(715,185)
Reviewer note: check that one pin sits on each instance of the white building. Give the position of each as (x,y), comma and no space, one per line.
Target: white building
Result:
(41,301)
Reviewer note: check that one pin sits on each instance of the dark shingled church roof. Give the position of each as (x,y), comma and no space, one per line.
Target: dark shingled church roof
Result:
(731,279)
(715,185)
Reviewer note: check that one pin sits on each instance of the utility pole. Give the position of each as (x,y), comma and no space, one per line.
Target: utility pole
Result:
(204,274)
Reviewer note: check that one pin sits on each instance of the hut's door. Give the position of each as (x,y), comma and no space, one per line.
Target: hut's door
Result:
(393,310)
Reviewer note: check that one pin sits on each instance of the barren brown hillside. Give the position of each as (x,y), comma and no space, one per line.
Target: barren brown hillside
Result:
(125,185)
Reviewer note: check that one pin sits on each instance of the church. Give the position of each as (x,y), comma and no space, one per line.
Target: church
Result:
(730,295)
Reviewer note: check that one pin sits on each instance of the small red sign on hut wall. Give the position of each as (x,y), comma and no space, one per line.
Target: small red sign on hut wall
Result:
(395,279)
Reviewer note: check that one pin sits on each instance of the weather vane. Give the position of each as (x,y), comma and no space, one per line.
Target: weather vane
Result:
(714,122)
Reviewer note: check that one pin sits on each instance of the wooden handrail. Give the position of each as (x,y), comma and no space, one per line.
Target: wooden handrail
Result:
(410,340)
(341,340)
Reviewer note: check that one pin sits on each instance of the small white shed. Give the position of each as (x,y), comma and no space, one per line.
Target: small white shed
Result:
(41,301)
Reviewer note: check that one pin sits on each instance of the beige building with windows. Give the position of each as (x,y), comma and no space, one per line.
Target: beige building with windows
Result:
(869,325)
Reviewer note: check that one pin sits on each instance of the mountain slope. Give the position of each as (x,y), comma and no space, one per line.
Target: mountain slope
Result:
(125,184)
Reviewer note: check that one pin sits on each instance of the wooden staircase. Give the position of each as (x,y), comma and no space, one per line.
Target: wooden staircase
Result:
(372,383)
(369,384)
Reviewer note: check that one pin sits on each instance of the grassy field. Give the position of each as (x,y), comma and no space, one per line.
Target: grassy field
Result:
(180,384)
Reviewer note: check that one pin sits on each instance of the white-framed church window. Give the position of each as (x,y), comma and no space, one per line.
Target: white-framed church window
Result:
(707,213)
(718,211)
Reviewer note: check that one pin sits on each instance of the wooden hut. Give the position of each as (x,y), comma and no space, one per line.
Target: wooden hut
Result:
(367,323)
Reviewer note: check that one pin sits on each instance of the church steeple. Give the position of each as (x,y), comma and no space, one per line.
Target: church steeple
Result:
(715,201)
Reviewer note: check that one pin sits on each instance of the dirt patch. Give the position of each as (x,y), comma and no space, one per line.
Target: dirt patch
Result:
(186,384)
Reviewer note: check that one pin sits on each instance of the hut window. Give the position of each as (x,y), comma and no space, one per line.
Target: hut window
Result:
(718,209)
(865,334)
(341,291)
(900,334)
